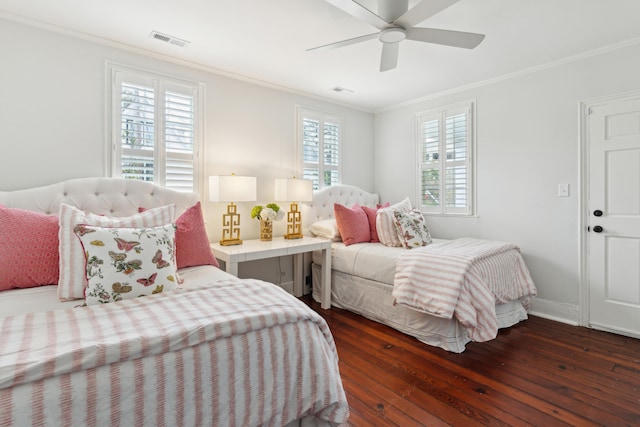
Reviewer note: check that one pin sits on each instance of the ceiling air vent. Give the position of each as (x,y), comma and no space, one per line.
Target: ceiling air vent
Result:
(168,39)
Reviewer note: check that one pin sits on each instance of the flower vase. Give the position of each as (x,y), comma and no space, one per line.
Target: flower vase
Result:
(266,229)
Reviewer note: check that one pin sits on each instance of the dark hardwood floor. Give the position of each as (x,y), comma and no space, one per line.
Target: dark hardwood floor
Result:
(538,373)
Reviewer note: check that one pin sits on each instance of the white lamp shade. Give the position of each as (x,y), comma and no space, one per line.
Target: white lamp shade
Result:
(232,188)
(293,190)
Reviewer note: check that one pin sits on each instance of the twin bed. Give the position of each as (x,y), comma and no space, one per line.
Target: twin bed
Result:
(363,277)
(217,351)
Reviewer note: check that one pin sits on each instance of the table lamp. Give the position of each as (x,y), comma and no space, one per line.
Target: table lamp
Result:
(231,188)
(294,190)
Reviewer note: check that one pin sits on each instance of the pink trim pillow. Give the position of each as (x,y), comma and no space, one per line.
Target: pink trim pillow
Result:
(385,223)
(352,224)
(72,281)
(28,249)
(192,243)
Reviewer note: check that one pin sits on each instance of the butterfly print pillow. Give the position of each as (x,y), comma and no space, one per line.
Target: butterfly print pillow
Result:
(124,263)
(411,229)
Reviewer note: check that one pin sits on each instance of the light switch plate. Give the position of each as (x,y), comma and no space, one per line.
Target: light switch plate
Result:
(563,190)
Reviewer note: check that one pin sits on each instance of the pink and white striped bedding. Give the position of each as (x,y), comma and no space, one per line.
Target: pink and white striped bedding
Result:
(234,353)
(464,278)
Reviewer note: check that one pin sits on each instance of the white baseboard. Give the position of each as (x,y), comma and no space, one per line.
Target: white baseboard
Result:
(558,311)
(287,286)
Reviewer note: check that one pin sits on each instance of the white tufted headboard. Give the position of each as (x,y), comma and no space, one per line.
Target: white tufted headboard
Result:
(103,196)
(347,195)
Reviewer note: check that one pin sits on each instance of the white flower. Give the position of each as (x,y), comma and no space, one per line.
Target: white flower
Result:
(268,213)
(279,214)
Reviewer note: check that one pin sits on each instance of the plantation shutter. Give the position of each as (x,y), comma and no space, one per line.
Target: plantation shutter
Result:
(311,151)
(430,164)
(331,149)
(321,139)
(155,132)
(456,164)
(179,130)
(444,145)
(137,108)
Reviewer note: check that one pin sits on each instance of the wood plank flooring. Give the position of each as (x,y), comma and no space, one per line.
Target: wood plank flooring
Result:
(538,373)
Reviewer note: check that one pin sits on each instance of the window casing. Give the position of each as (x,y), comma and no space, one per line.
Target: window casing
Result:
(156,134)
(445,146)
(320,148)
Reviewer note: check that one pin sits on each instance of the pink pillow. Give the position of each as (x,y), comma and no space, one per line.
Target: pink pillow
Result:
(28,249)
(192,243)
(371,216)
(353,224)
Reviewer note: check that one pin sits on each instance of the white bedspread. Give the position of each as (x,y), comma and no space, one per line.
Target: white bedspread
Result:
(44,298)
(373,261)
(237,352)
(464,278)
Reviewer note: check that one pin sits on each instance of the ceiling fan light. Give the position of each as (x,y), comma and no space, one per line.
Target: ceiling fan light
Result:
(392,35)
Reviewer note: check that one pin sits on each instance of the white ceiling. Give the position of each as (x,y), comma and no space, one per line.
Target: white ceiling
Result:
(266,40)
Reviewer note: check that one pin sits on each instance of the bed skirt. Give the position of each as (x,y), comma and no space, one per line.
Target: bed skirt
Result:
(374,301)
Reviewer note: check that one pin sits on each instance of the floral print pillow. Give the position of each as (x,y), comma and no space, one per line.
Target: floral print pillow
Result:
(124,263)
(412,229)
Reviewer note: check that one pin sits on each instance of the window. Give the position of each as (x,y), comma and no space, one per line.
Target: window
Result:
(319,145)
(445,159)
(156,135)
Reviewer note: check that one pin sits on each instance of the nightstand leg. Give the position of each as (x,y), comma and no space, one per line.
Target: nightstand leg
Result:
(325,279)
(298,272)
(232,268)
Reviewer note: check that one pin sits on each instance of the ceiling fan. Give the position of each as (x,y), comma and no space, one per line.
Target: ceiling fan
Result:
(395,22)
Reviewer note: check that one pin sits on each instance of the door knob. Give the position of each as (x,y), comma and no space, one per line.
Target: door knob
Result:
(597,212)
(597,229)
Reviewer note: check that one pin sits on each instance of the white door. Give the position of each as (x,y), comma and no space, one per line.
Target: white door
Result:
(614,217)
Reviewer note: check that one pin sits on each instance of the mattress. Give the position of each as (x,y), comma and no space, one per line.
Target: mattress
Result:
(44,298)
(373,261)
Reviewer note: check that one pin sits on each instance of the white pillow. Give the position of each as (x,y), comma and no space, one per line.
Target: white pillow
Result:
(327,229)
(72,280)
(412,229)
(125,263)
(386,225)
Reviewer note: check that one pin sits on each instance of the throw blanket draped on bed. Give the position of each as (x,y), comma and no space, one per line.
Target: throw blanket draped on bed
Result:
(464,278)
(238,352)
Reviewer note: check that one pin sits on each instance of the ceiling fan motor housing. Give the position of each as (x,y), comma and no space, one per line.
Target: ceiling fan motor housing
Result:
(392,35)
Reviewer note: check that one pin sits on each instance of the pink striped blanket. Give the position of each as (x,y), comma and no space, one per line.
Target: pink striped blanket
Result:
(234,353)
(464,278)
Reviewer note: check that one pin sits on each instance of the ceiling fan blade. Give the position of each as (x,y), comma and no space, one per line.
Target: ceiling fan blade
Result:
(445,37)
(423,10)
(360,12)
(389,59)
(347,42)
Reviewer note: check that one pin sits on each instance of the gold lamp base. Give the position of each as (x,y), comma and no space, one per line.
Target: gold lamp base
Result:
(230,242)
(293,236)
(231,227)
(294,223)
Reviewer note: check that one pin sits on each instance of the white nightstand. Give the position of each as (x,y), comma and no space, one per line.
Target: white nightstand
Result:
(251,250)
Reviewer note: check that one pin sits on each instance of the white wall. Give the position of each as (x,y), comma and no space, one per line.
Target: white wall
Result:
(528,142)
(52,120)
